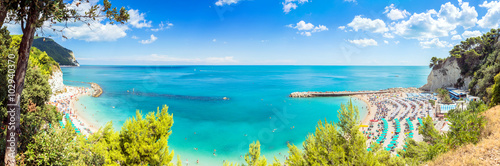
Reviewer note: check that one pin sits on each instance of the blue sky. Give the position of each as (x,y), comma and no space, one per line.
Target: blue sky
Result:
(280,32)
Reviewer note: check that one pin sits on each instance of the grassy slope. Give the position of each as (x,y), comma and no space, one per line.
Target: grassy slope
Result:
(486,152)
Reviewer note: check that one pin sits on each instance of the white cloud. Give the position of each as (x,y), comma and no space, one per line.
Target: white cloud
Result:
(341,27)
(306,29)
(226,2)
(149,41)
(386,42)
(388,35)
(289,5)
(135,37)
(364,42)
(468,34)
(434,43)
(95,32)
(395,14)
(375,26)
(467,17)
(137,19)
(492,17)
(214,40)
(422,26)
(397,42)
(208,60)
(163,26)
(456,37)
(432,24)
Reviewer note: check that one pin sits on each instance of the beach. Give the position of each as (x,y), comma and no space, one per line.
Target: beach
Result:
(65,101)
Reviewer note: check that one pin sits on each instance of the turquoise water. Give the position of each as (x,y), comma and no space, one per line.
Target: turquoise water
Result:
(195,94)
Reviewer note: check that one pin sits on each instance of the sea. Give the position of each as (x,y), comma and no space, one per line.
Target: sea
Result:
(222,109)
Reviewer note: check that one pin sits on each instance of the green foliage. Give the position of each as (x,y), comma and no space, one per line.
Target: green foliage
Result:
(54,146)
(444,95)
(43,61)
(144,140)
(37,88)
(479,57)
(253,157)
(433,102)
(466,125)
(495,95)
(428,131)
(61,55)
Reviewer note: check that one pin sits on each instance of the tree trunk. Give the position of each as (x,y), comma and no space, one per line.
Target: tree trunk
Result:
(15,106)
(3,14)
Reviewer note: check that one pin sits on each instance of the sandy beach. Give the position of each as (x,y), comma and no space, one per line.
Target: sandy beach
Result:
(371,109)
(65,103)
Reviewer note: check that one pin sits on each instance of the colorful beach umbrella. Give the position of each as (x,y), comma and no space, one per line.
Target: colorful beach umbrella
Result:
(390,145)
(394,139)
(410,134)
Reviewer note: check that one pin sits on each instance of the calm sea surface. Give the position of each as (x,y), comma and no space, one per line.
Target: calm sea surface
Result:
(258,102)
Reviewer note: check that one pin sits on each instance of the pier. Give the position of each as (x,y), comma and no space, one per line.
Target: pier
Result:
(334,94)
(95,87)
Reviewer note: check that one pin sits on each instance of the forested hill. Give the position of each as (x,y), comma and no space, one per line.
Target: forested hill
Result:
(61,55)
(479,60)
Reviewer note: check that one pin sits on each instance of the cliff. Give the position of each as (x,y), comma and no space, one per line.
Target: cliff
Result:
(56,81)
(61,55)
(447,74)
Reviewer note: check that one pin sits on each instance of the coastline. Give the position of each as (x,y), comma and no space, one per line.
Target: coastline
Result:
(371,109)
(87,123)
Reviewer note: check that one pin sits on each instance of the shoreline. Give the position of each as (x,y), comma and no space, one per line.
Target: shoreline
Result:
(371,109)
(65,103)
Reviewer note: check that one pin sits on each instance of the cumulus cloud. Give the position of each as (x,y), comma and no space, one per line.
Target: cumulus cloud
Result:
(226,2)
(395,14)
(135,37)
(149,41)
(468,34)
(386,42)
(434,43)
(289,5)
(432,24)
(456,37)
(163,26)
(342,27)
(366,24)
(467,17)
(492,17)
(208,60)
(306,29)
(137,19)
(364,42)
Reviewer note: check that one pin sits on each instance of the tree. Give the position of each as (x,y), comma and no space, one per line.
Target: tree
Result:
(31,15)
(428,131)
(495,96)
(253,157)
(145,140)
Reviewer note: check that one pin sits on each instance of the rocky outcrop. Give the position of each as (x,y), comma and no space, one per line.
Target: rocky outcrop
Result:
(73,59)
(56,81)
(446,75)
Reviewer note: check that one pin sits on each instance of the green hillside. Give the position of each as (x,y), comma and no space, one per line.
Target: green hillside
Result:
(60,54)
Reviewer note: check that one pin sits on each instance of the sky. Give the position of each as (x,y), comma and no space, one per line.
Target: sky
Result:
(277,32)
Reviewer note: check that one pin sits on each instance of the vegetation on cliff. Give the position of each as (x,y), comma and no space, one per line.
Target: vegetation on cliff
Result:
(479,58)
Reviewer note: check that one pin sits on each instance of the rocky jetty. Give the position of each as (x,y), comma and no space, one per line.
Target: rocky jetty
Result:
(97,89)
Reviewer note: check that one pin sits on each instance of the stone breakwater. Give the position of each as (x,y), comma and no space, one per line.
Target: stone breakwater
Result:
(350,93)
(97,89)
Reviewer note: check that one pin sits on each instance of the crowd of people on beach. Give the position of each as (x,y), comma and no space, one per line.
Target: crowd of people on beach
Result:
(385,122)
(64,102)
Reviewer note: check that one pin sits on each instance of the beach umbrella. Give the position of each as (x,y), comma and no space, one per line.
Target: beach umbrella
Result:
(410,134)
(368,149)
(405,146)
(388,149)
(396,136)
(390,145)
(393,142)
(384,132)
(394,139)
